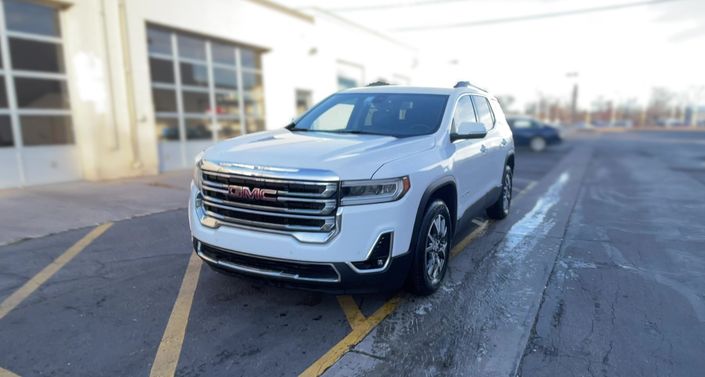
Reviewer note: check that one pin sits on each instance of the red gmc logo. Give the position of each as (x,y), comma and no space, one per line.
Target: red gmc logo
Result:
(254,193)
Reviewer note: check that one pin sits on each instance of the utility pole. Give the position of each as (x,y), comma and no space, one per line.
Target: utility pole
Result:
(574,98)
(642,117)
(694,116)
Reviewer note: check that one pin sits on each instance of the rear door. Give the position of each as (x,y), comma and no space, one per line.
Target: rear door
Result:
(493,151)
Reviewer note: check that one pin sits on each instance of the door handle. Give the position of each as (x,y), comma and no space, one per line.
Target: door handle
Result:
(483,148)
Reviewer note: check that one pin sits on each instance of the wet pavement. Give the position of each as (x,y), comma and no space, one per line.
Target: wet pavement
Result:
(597,271)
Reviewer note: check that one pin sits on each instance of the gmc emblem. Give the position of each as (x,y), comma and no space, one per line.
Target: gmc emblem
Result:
(254,193)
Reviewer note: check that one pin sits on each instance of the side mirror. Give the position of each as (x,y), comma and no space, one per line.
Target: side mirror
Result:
(469,130)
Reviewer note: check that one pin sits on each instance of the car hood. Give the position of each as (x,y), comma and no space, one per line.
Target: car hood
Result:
(347,156)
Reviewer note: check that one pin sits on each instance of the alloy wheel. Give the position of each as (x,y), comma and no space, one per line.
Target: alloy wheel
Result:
(436,249)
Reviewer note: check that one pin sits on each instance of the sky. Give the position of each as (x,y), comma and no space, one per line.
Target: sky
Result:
(618,54)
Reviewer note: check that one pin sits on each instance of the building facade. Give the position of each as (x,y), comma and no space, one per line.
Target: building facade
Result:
(104,89)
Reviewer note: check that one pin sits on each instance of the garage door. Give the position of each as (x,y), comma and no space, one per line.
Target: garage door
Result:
(36,133)
(203,90)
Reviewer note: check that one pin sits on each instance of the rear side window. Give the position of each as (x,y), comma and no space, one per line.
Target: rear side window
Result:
(464,112)
(484,113)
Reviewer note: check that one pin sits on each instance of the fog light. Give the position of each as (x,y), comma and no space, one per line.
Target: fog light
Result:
(379,256)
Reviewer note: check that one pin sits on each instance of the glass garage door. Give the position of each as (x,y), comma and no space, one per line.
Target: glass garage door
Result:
(36,133)
(203,90)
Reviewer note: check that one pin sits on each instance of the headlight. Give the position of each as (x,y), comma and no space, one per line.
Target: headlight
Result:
(373,191)
(197,172)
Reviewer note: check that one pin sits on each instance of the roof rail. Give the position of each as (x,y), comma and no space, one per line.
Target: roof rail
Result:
(466,84)
(378,83)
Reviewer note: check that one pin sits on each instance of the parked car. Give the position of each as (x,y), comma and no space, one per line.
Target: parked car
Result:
(532,133)
(363,192)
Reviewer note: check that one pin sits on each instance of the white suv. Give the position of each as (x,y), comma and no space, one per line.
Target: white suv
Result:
(361,193)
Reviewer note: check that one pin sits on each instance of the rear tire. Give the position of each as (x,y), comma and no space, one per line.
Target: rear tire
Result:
(500,208)
(432,250)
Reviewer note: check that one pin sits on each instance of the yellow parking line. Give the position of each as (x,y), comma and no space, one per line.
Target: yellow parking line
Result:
(362,326)
(356,335)
(527,188)
(351,310)
(170,347)
(35,282)
(7,373)
(464,243)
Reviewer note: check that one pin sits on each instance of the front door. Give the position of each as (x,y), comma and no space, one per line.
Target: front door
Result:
(468,158)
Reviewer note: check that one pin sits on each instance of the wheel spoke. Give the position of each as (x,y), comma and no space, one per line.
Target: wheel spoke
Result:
(436,244)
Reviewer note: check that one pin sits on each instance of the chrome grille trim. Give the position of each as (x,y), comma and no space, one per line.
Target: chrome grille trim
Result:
(328,208)
(296,206)
(330,187)
(256,224)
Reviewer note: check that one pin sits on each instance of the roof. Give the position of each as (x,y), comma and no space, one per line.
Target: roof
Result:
(413,89)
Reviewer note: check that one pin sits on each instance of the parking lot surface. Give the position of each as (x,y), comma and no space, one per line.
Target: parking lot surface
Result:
(599,270)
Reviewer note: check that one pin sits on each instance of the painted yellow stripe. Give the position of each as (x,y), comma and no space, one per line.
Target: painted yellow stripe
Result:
(7,373)
(170,347)
(35,282)
(527,188)
(351,310)
(460,246)
(363,327)
(356,335)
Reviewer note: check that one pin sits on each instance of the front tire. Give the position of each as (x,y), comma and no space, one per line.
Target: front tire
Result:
(432,250)
(500,208)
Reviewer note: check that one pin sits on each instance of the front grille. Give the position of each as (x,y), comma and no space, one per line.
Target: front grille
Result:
(290,205)
(269,267)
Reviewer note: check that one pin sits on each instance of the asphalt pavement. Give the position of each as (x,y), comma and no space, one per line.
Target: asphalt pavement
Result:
(599,270)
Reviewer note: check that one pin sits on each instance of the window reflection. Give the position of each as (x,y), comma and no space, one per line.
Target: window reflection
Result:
(167,128)
(227,103)
(198,129)
(159,41)
(5,132)
(46,130)
(162,70)
(191,47)
(229,128)
(36,56)
(41,93)
(164,100)
(30,17)
(195,102)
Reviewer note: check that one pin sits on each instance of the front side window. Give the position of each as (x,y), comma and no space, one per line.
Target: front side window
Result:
(390,114)
(204,89)
(464,112)
(484,114)
(32,68)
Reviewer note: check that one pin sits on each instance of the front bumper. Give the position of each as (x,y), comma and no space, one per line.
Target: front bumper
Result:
(324,277)
(357,231)
(250,251)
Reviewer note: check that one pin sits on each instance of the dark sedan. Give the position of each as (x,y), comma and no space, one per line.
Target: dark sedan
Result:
(533,133)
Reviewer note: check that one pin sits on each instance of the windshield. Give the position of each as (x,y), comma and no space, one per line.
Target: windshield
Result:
(390,114)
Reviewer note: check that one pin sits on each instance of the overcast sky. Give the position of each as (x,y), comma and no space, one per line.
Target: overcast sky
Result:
(618,53)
